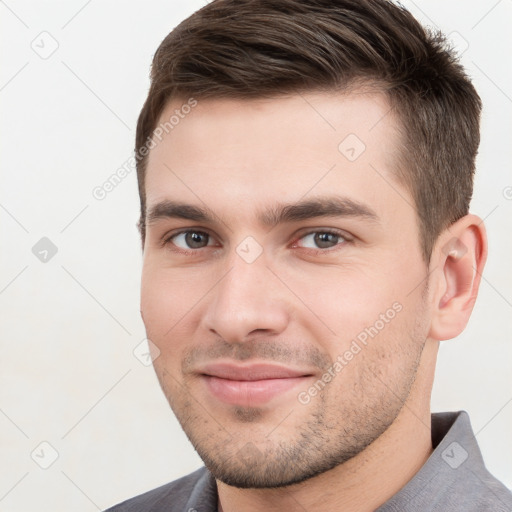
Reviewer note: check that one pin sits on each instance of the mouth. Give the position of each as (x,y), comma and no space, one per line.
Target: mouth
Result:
(250,385)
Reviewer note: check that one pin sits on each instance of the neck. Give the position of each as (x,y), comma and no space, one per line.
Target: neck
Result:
(367,480)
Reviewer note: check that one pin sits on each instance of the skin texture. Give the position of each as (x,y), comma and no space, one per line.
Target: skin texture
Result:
(303,300)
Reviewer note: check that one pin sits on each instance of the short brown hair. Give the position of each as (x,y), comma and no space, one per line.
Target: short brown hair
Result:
(265,48)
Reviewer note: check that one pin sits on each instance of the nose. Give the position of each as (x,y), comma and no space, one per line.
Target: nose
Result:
(249,300)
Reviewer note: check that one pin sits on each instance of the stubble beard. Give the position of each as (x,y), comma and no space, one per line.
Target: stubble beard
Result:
(333,432)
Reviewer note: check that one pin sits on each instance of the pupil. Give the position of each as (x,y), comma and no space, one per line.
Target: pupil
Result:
(194,239)
(323,240)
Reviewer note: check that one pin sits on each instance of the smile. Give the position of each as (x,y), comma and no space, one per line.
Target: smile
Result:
(251,385)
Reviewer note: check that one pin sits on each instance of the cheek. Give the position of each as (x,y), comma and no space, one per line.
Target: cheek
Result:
(346,300)
(166,298)
(155,301)
(365,317)
(162,308)
(379,360)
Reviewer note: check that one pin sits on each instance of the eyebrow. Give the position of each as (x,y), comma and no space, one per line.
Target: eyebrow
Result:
(331,206)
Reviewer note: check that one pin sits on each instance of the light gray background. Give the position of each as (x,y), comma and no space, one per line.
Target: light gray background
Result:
(69,376)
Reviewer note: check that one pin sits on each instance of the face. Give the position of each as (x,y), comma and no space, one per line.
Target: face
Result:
(282,282)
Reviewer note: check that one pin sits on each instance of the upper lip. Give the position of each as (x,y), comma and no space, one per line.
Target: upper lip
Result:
(253,371)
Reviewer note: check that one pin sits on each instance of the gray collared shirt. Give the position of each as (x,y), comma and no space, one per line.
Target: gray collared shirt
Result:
(454,478)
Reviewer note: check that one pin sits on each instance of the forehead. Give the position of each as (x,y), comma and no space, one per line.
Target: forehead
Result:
(237,153)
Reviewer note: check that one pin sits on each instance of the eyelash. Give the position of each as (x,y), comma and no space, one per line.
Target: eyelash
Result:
(344,236)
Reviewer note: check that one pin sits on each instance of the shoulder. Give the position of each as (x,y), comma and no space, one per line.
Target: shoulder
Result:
(454,477)
(477,491)
(169,497)
(468,483)
(480,491)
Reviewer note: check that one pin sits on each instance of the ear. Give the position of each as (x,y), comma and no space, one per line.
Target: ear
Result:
(456,266)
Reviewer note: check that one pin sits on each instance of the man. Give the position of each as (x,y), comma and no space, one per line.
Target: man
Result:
(305,171)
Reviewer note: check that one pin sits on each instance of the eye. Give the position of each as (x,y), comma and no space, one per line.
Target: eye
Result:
(322,240)
(191,239)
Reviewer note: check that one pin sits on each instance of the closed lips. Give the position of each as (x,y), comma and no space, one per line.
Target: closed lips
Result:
(251,372)
(250,385)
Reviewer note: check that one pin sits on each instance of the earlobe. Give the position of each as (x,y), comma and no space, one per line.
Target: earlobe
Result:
(458,259)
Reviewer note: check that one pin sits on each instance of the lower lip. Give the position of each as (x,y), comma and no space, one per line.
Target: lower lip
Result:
(250,392)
